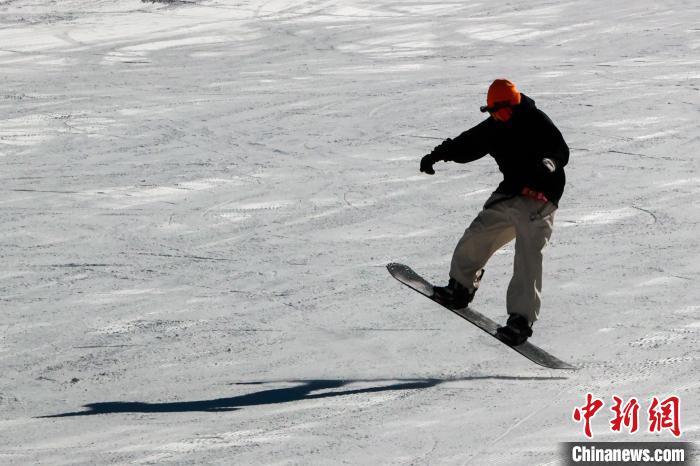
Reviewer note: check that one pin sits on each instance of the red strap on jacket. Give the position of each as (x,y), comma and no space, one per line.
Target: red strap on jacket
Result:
(536,195)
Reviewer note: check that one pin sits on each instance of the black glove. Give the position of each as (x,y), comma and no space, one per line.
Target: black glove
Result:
(426,164)
(439,153)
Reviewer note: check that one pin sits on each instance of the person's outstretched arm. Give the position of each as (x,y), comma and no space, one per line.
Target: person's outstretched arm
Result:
(467,147)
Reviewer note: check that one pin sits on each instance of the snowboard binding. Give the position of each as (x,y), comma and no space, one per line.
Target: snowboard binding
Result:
(516,331)
(455,295)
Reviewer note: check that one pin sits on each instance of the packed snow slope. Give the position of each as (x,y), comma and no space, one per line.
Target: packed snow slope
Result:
(199,200)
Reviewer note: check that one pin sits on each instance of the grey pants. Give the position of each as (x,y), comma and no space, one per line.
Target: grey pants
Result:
(502,219)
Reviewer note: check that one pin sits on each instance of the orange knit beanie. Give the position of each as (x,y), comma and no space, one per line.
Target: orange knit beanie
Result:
(502,90)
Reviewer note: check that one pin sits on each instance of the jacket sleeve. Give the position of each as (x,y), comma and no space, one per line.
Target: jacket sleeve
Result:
(553,145)
(467,147)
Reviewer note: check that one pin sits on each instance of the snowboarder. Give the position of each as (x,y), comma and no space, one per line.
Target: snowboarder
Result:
(531,153)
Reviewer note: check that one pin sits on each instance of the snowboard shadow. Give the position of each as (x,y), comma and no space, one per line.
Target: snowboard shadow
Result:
(303,391)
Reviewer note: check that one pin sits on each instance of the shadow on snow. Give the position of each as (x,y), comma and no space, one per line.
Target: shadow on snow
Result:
(303,391)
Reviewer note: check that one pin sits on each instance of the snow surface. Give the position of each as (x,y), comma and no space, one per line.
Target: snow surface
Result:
(199,199)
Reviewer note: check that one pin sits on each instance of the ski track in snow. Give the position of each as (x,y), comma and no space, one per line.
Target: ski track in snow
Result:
(199,198)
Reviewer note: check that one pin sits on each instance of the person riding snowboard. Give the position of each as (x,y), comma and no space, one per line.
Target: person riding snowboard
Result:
(531,153)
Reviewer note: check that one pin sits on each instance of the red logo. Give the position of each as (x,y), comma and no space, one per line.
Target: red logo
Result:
(663,414)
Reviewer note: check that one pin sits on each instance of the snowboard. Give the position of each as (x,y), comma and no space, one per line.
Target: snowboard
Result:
(411,279)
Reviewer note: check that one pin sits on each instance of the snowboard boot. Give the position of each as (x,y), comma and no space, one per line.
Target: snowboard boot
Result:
(454,295)
(516,331)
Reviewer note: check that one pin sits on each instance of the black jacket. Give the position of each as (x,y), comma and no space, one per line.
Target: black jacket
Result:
(518,145)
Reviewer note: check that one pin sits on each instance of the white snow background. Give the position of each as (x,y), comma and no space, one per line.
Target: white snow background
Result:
(199,200)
